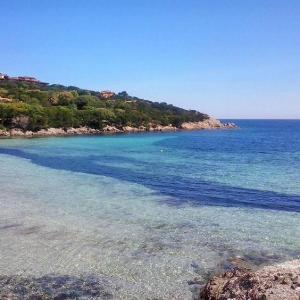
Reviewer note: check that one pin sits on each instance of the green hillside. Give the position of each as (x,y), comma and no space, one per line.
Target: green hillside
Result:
(34,106)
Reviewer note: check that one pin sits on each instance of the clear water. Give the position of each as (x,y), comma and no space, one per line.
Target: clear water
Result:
(146,213)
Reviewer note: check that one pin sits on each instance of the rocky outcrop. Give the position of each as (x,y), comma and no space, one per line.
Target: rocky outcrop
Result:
(229,125)
(206,124)
(209,123)
(154,127)
(276,282)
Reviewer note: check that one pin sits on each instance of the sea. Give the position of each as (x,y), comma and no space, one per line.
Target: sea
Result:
(148,215)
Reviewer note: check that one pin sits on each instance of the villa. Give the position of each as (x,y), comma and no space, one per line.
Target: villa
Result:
(106,94)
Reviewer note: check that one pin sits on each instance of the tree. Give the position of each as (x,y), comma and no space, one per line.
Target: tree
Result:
(123,95)
(65,98)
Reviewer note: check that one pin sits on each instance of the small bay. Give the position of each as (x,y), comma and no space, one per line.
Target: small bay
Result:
(145,214)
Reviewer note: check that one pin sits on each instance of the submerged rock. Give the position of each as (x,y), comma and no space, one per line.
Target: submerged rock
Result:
(54,287)
(276,282)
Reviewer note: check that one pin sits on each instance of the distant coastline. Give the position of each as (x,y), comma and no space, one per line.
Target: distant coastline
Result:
(207,124)
(32,108)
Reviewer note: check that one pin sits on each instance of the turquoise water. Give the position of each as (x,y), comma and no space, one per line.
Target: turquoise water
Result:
(146,213)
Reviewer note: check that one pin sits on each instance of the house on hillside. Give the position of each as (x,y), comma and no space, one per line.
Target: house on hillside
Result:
(28,79)
(106,94)
(22,78)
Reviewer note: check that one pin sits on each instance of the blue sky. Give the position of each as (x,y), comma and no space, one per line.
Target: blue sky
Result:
(228,58)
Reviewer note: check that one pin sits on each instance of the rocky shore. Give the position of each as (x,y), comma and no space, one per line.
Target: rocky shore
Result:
(206,124)
(278,282)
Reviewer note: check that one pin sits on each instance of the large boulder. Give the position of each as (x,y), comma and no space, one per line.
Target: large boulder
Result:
(16,132)
(111,129)
(279,282)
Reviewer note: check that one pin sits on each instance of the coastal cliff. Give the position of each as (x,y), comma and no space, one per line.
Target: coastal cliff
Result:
(278,282)
(209,123)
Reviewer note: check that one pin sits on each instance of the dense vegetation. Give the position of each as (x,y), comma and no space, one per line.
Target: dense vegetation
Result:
(36,106)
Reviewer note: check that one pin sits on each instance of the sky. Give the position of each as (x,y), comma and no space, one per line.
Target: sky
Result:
(227,58)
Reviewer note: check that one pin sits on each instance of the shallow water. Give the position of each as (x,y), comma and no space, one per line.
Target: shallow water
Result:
(146,213)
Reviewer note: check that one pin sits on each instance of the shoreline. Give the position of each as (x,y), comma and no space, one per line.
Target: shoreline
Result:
(208,124)
(272,282)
